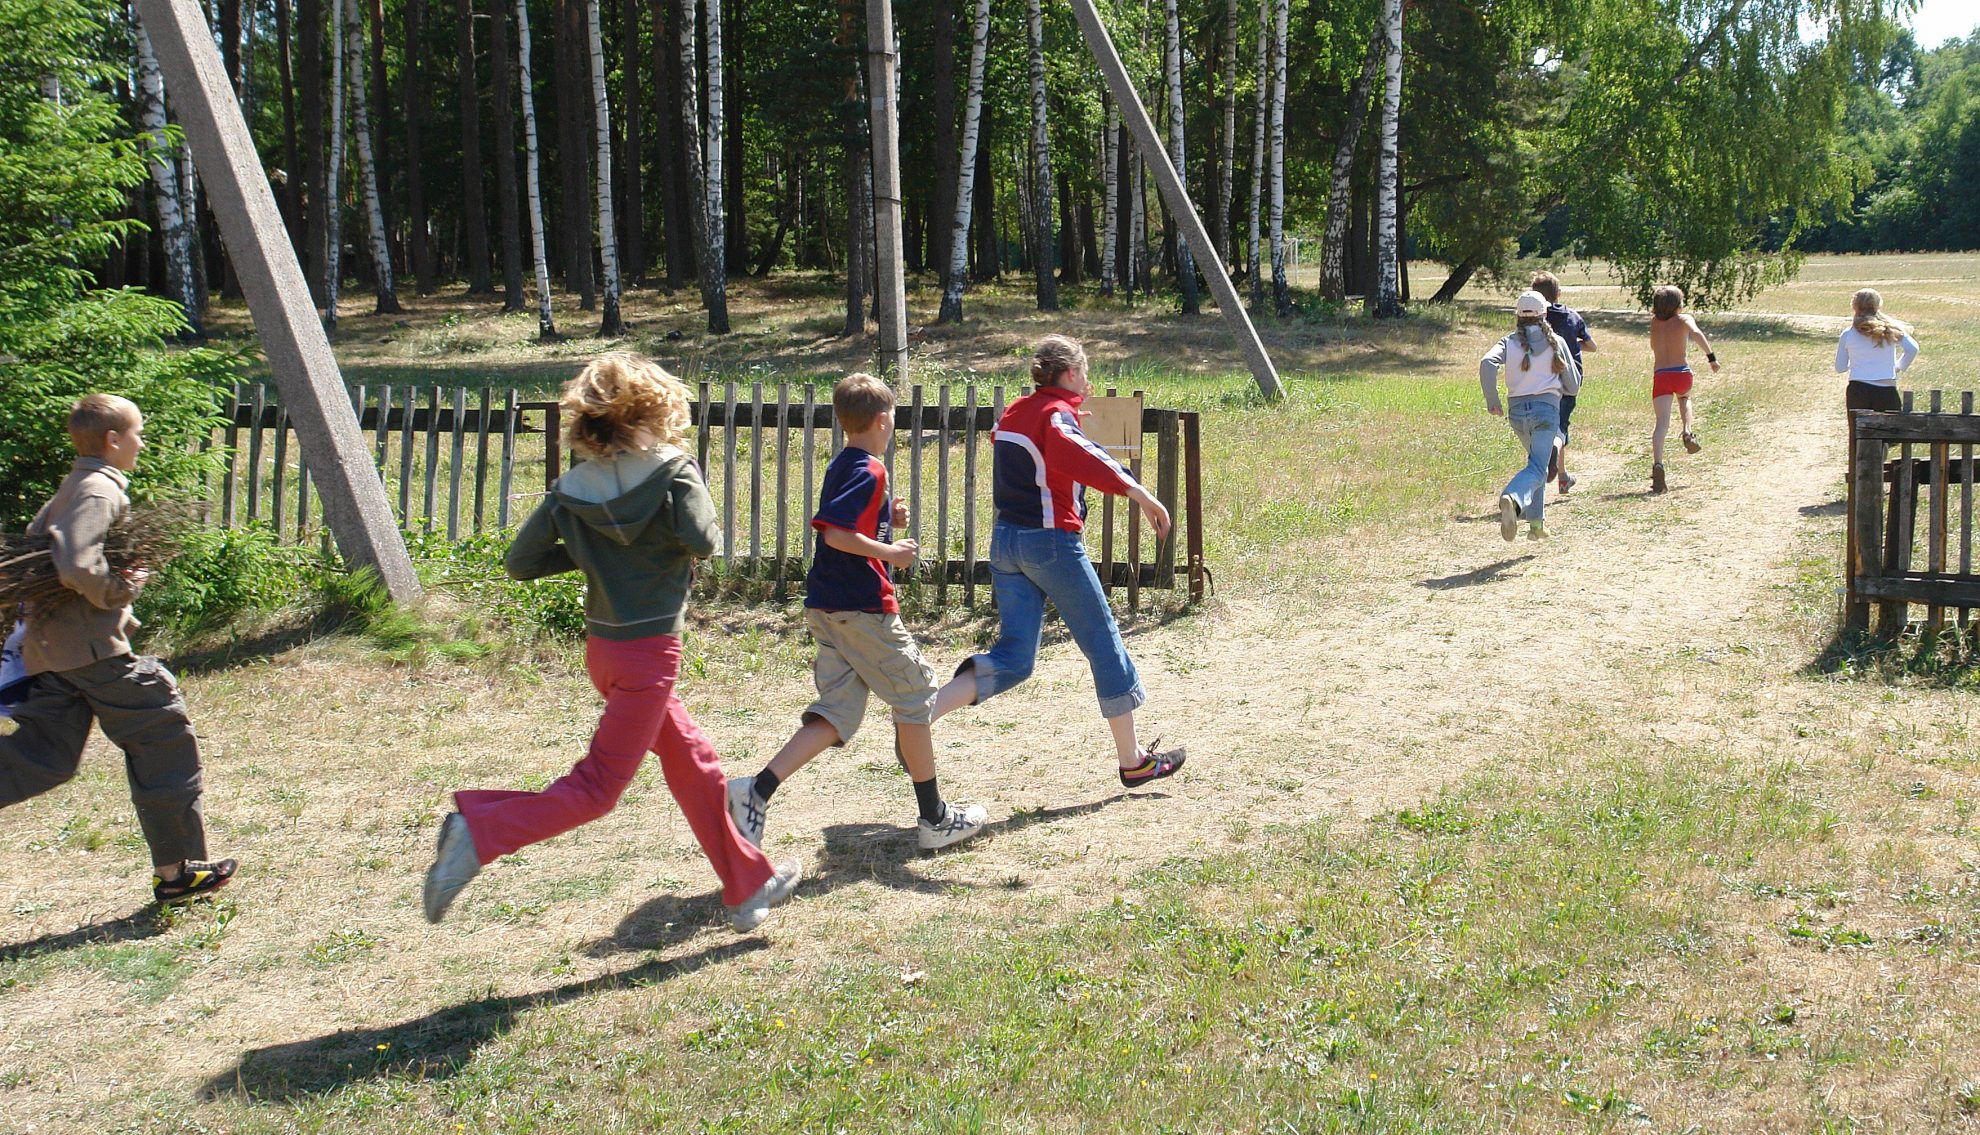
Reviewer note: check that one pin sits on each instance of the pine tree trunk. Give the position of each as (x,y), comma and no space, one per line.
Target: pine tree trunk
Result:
(943,141)
(735,225)
(574,144)
(419,236)
(309,32)
(546,326)
(632,221)
(1333,243)
(610,325)
(1386,303)
(989,262)
(1144,280)
(374,208)
(502,72)
(1109,205)
(1041,152)
(1071,256)
(172,221)
(955,264)
(333,178)
(1281,294)
(670,166)
(1172,69)
(290,194)
(474,211)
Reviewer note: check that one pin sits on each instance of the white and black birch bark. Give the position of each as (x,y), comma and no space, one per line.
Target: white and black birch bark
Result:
(1110,174)
(1340,199)
(333,193)
(1226,170)
(546,326)
(374,206)
(1172,74)
(172,226)
(1263,86)
(958,267)
(610,324)
(715,269)
(1386,300)
(1043,246)
(1281,294)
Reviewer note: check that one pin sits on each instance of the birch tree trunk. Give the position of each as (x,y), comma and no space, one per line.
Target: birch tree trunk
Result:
(1281,295)
(502,71)
(1386,301)
(1172,66)
(290,193)
(474,219)
(1041,148)
(546,326)
(1110,205)
(1226,172)
(333,185)
(608,232)
(313,194)
(705,166)
(172,224)
(1252,267)
(715,269)
(374,206)
(1333,243)
(972,133)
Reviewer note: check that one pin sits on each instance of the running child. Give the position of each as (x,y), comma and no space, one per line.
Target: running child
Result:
(1534,388)
(1672,331)
(633,517)
(853,616)
(1042,465)
(1875,350)
(81,666)
(1573,330)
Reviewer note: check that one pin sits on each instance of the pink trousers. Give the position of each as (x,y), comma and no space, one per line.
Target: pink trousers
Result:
(642,713)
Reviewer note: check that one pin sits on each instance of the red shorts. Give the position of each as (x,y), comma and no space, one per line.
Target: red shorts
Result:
(1670,380)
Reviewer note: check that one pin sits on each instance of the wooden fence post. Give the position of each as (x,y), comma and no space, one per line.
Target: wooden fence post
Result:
(508,458)
(1193,492)
(1935,528)
(1867,520)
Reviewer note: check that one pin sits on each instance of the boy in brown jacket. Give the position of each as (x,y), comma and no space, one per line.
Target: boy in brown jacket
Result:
(81,667)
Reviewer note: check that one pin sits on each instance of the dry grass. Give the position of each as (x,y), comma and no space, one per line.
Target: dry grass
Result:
(1471,841)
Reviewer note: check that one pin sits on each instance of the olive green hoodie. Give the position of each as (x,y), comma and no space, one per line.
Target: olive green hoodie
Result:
(634,524)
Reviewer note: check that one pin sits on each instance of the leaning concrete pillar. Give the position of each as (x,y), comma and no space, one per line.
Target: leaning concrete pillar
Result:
(354,504)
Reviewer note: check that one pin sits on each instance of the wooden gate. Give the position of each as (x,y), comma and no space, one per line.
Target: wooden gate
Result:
(457,461)
(1890,563)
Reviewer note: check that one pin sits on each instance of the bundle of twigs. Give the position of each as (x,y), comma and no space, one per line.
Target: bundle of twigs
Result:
(143,538)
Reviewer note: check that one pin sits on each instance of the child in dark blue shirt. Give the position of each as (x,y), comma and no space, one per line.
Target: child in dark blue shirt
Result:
(1573,330)
(851,611)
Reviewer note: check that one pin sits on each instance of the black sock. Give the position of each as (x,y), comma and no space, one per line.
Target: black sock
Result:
(929,800)
(766,783)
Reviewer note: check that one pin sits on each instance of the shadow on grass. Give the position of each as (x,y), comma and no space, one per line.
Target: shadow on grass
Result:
(1487,574)
(146,922)
(854,853)
(1836,507)
(431,1047)
(1949,659)
(212,654)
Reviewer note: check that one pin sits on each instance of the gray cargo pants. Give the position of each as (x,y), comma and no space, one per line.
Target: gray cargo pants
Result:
(137,702)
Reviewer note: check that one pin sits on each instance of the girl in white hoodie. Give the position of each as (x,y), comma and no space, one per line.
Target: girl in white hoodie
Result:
(1538,370)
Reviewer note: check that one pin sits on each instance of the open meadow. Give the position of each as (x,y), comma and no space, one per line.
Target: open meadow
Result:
(1597,834)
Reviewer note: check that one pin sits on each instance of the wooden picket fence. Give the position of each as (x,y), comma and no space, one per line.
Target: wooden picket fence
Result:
(458,461)
(1884,544)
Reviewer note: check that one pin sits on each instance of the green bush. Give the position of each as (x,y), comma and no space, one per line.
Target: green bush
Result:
(220,576)
(471,570)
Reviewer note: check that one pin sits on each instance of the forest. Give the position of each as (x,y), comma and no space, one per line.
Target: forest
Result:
(565,150)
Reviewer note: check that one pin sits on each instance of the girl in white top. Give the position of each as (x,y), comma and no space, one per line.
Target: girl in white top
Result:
(1538,370)
(1875,350)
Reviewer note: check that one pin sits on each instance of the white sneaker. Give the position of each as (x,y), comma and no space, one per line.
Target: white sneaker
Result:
(1508,517)
(1536,531)
(959,823)
(1566,482)
(455,863)
(747,809)
(750,913)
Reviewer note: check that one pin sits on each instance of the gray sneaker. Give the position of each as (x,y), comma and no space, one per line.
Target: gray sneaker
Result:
(750,913)
(959,823)
(455,863)
(1508,517)
(747,809)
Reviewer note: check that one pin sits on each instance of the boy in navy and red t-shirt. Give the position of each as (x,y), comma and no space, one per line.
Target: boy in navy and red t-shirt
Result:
(863,648)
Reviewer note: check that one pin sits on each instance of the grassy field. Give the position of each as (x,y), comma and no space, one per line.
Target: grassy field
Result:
(1592,835)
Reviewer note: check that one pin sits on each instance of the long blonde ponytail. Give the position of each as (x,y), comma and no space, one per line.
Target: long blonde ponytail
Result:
(1871,322)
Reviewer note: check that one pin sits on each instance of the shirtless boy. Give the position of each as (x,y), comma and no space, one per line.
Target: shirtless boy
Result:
(1671,333)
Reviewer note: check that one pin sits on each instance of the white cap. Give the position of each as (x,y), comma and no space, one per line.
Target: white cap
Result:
(1531,303)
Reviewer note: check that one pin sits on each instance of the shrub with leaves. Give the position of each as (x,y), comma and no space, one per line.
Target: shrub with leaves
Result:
(66,159)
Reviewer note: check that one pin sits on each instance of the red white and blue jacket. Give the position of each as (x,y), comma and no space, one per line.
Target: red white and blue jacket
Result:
(1044,463)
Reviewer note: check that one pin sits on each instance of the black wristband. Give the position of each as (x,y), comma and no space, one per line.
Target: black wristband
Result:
(1710,357)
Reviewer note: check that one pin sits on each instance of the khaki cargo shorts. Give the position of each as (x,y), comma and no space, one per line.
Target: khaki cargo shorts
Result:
(862,652)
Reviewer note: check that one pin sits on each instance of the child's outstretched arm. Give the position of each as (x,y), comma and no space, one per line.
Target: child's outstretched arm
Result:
(1488,377)
(536,550)
(1068,448)
(1908,351)
(1697,335)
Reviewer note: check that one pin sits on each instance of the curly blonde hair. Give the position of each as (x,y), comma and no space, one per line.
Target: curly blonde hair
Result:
(610,401)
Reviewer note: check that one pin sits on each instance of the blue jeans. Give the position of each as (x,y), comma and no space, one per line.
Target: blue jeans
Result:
(1027,567)
(1537,421)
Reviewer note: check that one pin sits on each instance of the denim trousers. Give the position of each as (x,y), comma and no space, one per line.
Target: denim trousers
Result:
(1537,421)
(1027,567)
